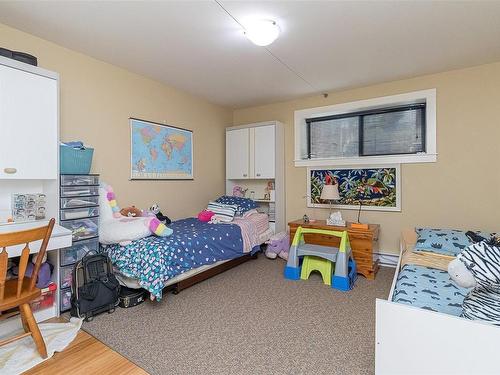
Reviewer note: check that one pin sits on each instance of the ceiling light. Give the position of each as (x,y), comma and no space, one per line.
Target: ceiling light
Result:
(262,32)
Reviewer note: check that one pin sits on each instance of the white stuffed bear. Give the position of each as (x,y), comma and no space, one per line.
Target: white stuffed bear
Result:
(478,267)
(115,228)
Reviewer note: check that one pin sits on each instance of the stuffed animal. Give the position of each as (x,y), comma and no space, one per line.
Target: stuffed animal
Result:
(115,228)
(131,211)
(278,246)
(44,273)
(155,210)
(478,267)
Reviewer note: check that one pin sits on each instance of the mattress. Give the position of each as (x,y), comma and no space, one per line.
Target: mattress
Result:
(429,289)
(156,262)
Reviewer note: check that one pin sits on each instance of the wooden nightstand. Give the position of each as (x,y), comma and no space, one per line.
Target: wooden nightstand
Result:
(364,242)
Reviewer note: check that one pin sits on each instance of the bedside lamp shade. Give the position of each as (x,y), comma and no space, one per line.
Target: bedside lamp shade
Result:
(330,192)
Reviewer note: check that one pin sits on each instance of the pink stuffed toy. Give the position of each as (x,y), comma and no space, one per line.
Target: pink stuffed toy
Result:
(205,216)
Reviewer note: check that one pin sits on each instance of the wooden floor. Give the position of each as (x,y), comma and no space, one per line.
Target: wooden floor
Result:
(87,355)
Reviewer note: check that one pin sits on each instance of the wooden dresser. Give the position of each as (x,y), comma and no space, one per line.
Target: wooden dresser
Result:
(364,242)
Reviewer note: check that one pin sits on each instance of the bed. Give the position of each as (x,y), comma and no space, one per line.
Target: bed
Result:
(418,328)
(195,251)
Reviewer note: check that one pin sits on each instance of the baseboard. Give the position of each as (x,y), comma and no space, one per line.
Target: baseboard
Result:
(386,259)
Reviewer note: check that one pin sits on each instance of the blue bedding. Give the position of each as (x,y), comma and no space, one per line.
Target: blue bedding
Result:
(430,289)
(154,260)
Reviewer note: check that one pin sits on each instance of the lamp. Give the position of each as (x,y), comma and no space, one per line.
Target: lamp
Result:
(262,32)
(330,193)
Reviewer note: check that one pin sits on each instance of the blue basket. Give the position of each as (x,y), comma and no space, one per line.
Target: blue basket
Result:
(74,161)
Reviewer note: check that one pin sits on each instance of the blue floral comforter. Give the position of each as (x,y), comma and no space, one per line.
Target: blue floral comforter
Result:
(154,260)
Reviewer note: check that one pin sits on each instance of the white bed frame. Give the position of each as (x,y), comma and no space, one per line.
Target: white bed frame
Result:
(410,340)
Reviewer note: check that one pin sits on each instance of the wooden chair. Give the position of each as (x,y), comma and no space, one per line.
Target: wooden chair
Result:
(21,291)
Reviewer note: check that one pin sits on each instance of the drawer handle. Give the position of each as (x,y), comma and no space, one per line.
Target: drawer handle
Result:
(10,170)
(244,175)
(258,174)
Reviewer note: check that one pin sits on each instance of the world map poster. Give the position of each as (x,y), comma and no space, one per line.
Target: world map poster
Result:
(160,152)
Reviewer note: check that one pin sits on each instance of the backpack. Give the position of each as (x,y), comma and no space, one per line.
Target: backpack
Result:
(94,289)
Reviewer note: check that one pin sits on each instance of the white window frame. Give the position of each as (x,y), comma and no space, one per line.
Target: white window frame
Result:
(430,156)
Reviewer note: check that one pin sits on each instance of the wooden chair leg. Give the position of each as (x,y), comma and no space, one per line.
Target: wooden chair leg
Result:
(23,320)
(35,331)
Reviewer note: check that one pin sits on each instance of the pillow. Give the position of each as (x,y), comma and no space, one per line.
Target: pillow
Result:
(242,204)
(222,212)
(441,241)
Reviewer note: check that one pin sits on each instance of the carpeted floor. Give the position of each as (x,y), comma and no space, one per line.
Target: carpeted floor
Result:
(250,320)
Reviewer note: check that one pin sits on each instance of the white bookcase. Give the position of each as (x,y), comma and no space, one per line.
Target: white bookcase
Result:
(255,155)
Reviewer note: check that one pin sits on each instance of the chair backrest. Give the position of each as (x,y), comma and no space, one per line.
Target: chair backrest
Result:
(19,238)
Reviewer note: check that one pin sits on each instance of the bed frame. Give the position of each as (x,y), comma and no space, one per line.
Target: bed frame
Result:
(190,281)
(410,340)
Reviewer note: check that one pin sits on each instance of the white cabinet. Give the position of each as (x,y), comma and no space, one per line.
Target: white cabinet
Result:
(255,157)
(28,125)
(250,153)
(264,151)
(237,154)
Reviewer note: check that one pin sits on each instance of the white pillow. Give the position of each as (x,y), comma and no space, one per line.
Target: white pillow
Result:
(223,212)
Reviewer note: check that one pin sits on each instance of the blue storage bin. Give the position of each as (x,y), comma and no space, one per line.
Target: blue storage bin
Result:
(74,161)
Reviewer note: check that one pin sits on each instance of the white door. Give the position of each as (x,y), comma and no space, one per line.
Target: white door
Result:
(237,154)
(264,151)
(28,125)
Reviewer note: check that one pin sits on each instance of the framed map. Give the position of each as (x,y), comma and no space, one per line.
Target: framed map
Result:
(160,152)
(376,188)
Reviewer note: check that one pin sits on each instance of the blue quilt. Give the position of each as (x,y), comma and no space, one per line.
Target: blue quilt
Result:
(154,260)
(430,289)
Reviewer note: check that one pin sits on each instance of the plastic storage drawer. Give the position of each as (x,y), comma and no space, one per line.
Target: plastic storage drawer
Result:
(76,252)
(79,191)
(79,202)
(65,299)
(82,229)
(66,277)
(79,213)
(78,179)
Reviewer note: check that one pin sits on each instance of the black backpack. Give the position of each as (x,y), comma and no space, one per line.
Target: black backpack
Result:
(95,289)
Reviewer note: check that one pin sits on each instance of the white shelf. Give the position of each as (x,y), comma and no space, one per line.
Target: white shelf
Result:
(263,200)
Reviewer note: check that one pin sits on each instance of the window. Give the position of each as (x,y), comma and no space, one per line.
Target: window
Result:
(383,131)
(392,129)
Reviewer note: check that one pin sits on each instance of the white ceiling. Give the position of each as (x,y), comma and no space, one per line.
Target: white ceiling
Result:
(199,48)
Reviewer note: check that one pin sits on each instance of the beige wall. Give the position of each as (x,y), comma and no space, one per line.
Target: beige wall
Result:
(96,101)
(461,190)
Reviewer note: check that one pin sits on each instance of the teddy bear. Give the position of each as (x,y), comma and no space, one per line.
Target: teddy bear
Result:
(478,267)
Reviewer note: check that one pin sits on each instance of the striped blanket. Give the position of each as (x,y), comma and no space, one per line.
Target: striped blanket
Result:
(252,225)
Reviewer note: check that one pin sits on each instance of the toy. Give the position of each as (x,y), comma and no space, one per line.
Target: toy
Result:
(320,258)
(238,191)
(155,210)
(478,267)
(278,246)
(115,228)
(205,216)
(44,273)
(131,211)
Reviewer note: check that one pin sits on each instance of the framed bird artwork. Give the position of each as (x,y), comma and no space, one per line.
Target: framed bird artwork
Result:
(374,188)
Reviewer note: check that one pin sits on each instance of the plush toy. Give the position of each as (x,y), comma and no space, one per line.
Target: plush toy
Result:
(44,273)
(131,211)
(278,246)
(116,228)
(155,210)
(478,267)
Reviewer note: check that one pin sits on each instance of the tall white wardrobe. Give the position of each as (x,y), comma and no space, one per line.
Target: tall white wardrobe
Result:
(255,157)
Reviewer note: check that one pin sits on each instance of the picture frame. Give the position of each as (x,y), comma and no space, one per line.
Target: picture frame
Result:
(160,151)
(380,186)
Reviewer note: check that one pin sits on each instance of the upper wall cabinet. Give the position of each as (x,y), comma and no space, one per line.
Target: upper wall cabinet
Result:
(264,151)
(28,122)
(250,153)
(238,153)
